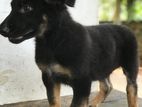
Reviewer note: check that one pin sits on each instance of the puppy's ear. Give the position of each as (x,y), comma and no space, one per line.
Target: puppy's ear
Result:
(67,2)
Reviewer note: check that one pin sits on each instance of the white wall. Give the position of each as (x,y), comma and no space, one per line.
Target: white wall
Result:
(86,11)
(20,79)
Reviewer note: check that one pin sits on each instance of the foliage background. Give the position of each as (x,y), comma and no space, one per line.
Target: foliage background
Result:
(107,10)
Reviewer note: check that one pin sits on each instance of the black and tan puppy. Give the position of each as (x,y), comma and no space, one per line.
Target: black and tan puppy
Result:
(72,54)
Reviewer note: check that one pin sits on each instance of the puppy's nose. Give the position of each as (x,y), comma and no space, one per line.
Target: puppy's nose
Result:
(4,30)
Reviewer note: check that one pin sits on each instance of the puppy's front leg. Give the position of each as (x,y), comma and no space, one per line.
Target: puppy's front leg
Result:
(53,90)
(81,91)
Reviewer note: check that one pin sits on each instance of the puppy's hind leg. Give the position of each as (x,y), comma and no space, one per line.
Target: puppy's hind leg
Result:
(105,89)
(131,88)
(130,69)
(129,64)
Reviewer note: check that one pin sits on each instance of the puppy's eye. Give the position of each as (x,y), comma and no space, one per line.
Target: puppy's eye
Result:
(26,9)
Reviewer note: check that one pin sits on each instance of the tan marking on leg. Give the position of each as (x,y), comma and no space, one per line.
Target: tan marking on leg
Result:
(57,100)
(61,70)
(132,96)
(56,68)
(105,89)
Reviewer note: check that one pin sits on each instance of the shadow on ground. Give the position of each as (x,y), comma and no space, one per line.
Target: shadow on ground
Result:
(115,99)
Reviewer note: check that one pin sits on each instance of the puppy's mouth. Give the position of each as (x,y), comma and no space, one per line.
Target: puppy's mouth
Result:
(29,34)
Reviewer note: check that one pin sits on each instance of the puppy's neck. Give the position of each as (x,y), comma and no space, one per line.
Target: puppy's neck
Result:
(54,25)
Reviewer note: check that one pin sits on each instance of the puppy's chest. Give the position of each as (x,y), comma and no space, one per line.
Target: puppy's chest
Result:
(44,54)
(47,62)
(56,71)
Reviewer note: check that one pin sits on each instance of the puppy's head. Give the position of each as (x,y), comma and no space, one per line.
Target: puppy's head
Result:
(29,18)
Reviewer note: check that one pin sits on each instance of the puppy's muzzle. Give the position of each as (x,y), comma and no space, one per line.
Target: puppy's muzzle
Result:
(4,29)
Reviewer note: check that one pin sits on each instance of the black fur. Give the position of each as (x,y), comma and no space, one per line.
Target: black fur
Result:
(89,52)
(70,3)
